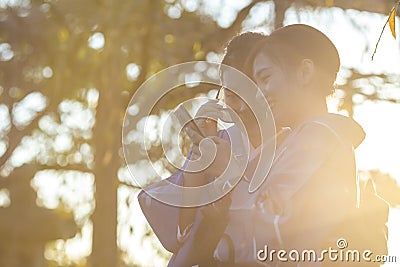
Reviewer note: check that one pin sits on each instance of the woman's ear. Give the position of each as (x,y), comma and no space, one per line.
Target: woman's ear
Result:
(306,72)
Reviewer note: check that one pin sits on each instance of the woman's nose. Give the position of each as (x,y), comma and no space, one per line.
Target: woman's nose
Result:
(261,94)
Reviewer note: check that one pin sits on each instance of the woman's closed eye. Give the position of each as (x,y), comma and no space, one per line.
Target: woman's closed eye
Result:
(265,79)
(264,75)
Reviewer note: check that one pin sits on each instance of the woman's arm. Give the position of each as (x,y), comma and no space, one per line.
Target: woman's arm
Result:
(208,227)
(169,222)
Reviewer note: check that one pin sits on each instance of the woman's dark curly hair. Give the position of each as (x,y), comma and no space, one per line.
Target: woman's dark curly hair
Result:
(238,48)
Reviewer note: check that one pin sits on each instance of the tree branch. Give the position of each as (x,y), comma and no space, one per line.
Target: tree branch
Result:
(280,9)
(16,137)
(69,167)
(375,6)
(219,38)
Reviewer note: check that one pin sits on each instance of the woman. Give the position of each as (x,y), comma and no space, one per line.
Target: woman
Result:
(177,228)
(311,187)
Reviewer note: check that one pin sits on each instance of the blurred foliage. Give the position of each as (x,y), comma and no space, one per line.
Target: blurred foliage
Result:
(67,71)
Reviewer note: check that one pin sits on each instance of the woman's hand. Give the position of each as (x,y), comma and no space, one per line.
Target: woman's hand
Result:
(208,114)
(212,151)
(207,117)
(221,158)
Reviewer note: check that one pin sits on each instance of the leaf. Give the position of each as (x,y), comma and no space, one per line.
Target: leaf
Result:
(392,19)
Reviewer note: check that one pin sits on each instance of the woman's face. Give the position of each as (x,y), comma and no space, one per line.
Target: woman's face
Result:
(230,80)
(281,91)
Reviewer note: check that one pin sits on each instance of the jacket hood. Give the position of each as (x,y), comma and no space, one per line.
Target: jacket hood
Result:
(347,128)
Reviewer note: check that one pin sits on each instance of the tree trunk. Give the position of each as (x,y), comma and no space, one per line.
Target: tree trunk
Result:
(280,9)
(375,6)
(104,251)
(107,142)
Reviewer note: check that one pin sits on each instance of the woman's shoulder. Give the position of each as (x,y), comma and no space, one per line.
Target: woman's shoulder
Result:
(331,127)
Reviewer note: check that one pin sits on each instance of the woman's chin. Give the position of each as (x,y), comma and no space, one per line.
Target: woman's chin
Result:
(278,119)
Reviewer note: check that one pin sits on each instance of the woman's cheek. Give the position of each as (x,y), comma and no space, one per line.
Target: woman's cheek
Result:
(233,104)
(266,89)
